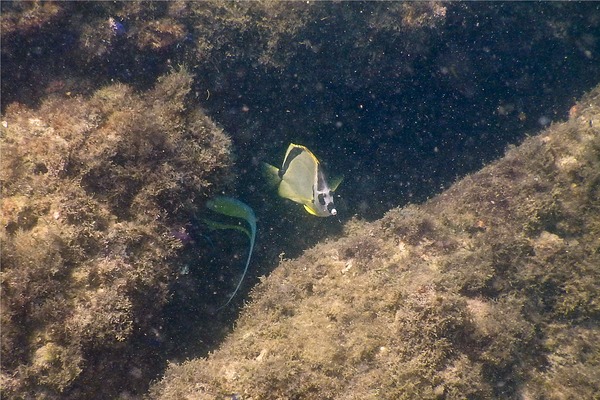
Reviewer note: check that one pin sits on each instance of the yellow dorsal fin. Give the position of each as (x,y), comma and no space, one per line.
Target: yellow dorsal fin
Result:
(287,191)
(299,175)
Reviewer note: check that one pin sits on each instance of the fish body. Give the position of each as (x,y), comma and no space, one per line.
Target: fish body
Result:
(301,179)
(237,209)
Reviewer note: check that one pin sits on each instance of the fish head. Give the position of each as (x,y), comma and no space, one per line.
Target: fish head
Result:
(323,196)
(323,203)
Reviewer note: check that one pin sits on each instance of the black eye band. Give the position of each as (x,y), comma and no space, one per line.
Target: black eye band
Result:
(321,198)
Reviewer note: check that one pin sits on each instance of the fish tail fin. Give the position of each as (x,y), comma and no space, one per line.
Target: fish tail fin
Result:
(271,174)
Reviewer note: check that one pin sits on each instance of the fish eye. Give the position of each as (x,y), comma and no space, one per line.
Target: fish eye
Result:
(321,198)
(333,211)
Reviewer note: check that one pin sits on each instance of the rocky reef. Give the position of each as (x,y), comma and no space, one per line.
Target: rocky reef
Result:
(92,190)
(120,118)
(489,290)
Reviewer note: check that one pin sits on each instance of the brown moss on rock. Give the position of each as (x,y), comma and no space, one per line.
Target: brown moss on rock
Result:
(488,290)
(27,16)
(573,364)
(91,191)
(160,34)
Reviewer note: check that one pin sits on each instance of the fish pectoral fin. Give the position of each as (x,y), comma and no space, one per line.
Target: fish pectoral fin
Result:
(271,174)
(335,182)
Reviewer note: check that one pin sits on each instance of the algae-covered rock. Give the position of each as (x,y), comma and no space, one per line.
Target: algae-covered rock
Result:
(399,97)
(92,188)
(489,290)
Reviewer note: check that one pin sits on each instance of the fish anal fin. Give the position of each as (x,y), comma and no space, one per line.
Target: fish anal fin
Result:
(310,210)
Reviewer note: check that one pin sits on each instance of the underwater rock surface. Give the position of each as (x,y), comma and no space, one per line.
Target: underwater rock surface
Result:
(92,189)
(489,290)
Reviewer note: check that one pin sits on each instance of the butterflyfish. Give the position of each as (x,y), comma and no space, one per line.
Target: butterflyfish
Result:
(234,208)
(301,179)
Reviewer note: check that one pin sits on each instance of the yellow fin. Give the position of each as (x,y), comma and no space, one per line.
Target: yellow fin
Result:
(289,192)
(299,174)
(310,210)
